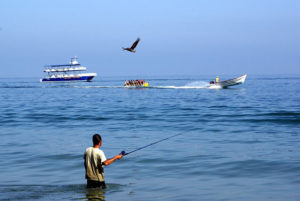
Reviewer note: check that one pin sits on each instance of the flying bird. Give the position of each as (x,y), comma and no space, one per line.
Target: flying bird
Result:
(131,49)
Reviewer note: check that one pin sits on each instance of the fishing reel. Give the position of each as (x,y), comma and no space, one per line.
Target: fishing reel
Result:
(123,153)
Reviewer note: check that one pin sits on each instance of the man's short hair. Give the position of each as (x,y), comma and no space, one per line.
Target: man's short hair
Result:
(96,139)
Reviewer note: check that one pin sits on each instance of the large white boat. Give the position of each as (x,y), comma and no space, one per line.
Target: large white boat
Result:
(67,72)
(228,83)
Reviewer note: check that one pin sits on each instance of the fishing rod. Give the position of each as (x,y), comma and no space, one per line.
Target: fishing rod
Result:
(124,153)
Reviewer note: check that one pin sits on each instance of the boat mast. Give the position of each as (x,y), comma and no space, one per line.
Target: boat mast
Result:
(74,60)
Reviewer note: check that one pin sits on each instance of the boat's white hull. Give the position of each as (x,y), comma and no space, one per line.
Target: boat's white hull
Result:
(231,82)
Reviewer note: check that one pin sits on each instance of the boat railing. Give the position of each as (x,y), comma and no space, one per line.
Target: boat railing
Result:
(81,68)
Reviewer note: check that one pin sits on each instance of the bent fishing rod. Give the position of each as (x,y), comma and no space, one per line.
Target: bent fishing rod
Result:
(124,153)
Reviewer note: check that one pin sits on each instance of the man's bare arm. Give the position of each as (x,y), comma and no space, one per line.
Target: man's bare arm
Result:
(111,160)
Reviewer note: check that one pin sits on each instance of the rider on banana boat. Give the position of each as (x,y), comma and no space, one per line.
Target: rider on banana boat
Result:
(134,82)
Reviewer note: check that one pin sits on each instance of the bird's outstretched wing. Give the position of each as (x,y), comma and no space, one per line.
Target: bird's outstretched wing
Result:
(135,43)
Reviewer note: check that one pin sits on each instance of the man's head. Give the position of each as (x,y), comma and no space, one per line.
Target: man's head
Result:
(96,139)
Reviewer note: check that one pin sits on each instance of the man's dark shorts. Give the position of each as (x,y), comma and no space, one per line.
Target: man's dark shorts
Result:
(96,184)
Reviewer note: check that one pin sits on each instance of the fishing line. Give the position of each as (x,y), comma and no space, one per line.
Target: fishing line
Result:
(124,153)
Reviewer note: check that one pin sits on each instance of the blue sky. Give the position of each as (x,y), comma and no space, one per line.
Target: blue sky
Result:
(191,37)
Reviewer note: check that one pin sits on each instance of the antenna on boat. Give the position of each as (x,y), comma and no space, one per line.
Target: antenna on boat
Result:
(74,60)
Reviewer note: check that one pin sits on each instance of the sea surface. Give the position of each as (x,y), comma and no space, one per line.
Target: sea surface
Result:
(236,144)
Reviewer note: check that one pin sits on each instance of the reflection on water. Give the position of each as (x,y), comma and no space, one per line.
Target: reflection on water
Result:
(95,194)
(53,192)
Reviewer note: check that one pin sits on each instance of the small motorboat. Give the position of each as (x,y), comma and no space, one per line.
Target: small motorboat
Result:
(136,83)
(228,83)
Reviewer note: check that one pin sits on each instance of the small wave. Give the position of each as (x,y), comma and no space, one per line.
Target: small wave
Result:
(19,87)
(190,85)
(275,121)
(197,84)
(98,86)
(179,87)
(153,87)
(282,113)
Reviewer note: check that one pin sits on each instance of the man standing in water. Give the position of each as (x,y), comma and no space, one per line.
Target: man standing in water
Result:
(94,159)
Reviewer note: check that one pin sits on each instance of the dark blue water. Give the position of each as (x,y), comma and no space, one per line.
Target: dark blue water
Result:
(241,143)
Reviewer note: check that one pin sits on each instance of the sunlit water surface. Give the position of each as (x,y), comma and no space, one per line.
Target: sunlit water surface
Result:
(236,144)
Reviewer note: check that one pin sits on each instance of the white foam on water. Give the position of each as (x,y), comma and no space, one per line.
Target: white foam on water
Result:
(201,84)
(214,87)
(191,85)
(98,86)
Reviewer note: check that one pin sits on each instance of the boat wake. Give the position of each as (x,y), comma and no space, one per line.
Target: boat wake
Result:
(191,85)
(98,86)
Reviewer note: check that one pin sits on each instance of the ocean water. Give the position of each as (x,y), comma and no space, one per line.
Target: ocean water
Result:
(241,143)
